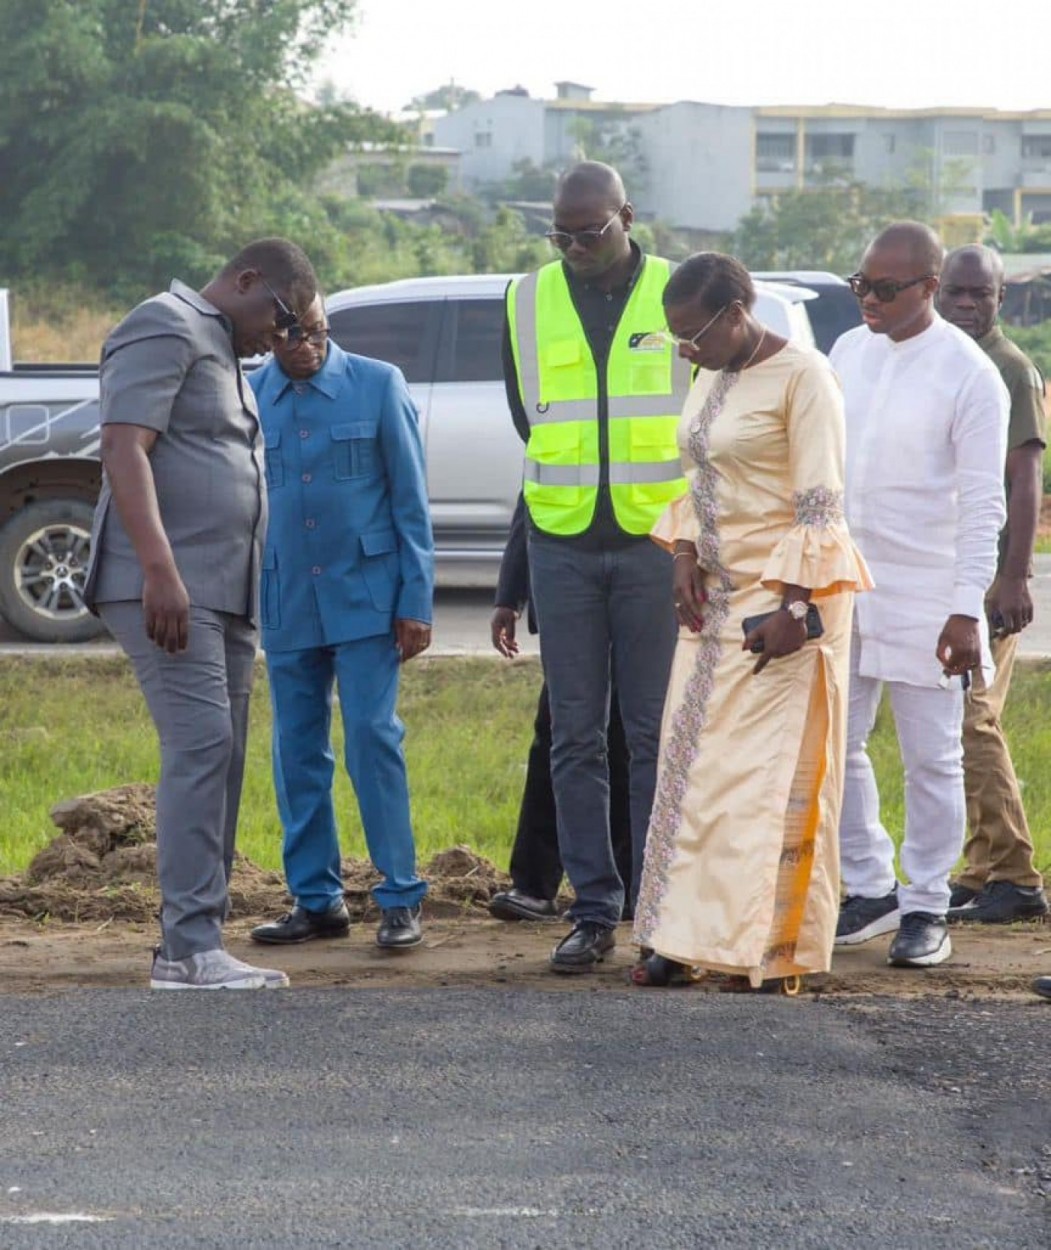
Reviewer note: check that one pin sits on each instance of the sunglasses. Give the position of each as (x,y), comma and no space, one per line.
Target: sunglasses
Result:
(564,239)
(284,317)
(675,341)
(886,290)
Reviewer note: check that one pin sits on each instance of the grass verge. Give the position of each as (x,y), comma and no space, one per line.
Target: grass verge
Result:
(69,726)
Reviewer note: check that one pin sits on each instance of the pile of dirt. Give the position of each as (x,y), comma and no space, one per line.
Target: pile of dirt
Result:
(103,866)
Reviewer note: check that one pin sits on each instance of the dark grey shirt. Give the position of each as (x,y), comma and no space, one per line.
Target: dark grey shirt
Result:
(170,366)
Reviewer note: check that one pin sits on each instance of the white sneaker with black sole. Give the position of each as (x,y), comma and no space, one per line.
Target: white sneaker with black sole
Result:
(922,941)
(862,919)
(212,970)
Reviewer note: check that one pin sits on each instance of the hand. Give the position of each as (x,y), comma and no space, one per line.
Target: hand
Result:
(166,607)
(689,596)
(502,630)
(781,635)
(1008,605)
(959,646)
(411,637)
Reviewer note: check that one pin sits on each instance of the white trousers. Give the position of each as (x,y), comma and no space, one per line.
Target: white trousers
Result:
(929,722)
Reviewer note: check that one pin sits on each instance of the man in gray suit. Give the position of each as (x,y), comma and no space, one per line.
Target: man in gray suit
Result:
(174,572)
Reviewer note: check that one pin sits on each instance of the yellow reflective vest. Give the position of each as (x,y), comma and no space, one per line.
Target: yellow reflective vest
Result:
(646,386)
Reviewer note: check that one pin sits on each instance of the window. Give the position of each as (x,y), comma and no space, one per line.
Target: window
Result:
(483,138)
(402,334)
(834,147)
(889,141)
(1036,147)
(775,151)
(471,352)
(988,144)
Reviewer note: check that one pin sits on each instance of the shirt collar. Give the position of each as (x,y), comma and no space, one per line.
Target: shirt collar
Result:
(328,378)
(625,287)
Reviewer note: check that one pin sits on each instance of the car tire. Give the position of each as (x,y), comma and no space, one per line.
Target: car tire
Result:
(44,550)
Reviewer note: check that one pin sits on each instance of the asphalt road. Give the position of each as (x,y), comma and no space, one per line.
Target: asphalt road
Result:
(461,624)
(466,1119)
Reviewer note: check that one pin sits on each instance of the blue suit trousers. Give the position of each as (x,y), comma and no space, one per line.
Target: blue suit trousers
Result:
(365,672)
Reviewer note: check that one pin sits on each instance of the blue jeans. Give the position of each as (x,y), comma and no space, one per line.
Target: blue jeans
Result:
(602,614)
(301,684)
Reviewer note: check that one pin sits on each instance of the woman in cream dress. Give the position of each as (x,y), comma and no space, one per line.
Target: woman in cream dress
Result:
(742,873)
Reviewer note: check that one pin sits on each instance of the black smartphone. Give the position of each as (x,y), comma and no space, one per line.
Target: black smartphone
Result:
(814,627)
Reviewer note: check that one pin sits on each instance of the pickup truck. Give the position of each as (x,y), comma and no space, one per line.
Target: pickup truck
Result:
(443,333)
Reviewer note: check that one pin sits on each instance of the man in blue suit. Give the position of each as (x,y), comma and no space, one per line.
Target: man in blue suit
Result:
(346,594)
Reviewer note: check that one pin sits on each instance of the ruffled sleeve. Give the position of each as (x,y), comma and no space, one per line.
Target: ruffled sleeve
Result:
(677,523)
(817,552)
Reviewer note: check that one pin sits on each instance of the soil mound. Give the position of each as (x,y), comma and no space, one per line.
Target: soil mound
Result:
(102,866)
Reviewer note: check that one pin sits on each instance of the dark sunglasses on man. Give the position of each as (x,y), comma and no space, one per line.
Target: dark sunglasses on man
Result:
(886,290)
(564,239)
(297,335)
(284,317)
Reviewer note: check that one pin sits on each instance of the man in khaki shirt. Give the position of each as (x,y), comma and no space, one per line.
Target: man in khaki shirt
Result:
(1000,882)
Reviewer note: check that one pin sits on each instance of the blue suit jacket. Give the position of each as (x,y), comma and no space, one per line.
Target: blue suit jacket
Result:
(349,547)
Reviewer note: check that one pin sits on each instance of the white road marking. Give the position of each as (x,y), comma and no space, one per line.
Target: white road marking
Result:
(475,1213)
(54,1217)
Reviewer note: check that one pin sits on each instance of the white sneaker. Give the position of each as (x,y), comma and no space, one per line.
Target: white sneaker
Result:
(212,970)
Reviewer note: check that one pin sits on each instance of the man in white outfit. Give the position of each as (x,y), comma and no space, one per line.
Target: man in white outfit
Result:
(926,437)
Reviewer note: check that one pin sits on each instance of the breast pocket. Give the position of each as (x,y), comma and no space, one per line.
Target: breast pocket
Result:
(354,449)
(275,468)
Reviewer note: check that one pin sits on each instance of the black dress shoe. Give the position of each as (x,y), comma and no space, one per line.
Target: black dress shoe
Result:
(1042,986)
(516,905)
(586,946)
(300,925)
(1001,902)
(399,928)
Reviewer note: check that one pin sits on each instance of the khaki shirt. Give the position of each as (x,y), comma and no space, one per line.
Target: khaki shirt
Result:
(170,366)
(1028,420)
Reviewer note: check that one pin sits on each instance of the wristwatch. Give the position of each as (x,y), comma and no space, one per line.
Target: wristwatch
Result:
(797,609)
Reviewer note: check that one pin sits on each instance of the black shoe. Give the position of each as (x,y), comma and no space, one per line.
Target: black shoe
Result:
(516,905)
(961,894)
(861,919)
(399,927)
(921,942)
(1001,902)
(1042,986)
(300,925)
(587,945)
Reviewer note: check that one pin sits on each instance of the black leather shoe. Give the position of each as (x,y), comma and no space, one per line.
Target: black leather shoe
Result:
(516,905)
(961,894)
(399,928)
(300,925)
(1042,986)
(586,946)
(1001,902)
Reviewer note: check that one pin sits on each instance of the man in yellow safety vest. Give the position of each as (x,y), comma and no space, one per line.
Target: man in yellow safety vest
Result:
(595,390)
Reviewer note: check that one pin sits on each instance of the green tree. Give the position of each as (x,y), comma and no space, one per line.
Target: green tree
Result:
(825,228)
(450,97)
(139,139)
(426,181)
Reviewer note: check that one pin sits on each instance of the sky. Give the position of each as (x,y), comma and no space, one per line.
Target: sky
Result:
(897,53)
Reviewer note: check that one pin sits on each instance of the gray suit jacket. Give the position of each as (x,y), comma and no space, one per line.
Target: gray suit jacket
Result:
(170,366)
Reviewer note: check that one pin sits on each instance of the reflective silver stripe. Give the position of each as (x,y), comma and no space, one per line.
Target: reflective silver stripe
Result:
(655,471)
(561,474)
(562,410)
(644,406)
(528,347)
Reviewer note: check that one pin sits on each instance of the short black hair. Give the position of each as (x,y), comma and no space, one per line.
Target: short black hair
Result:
(712,278)
(284,265)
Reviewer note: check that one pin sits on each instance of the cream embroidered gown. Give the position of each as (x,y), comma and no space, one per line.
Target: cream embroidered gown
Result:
(742,867)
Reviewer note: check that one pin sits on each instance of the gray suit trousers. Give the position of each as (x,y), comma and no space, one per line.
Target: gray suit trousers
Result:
(199,704)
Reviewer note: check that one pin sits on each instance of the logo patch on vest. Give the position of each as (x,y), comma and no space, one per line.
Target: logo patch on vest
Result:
(647,341)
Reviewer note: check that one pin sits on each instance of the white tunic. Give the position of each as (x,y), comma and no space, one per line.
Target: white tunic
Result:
(926,442)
